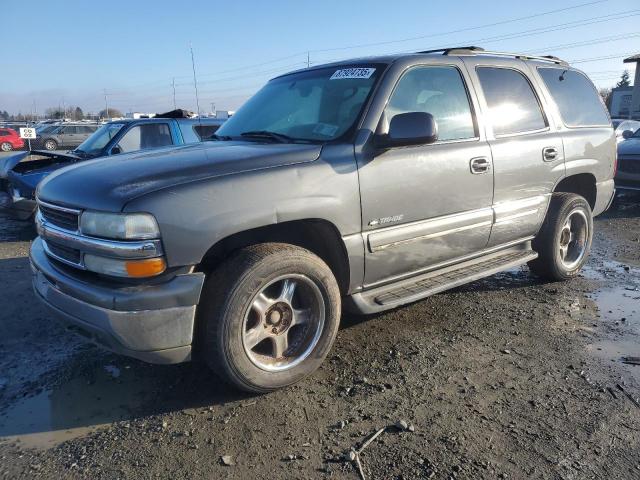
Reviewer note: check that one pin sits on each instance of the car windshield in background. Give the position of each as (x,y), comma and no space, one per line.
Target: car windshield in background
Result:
(96,142)
(311,106)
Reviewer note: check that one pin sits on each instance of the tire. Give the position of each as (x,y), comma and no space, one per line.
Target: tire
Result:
(50,144)
(563,247)
(6,147)
(242,317)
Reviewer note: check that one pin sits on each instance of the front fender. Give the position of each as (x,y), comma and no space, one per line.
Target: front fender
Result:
(7,163)
(195,216)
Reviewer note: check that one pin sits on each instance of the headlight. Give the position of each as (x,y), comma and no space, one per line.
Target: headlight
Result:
(119,226)
(149,267)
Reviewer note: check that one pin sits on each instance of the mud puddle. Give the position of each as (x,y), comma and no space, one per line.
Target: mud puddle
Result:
(99,397)
(618,302)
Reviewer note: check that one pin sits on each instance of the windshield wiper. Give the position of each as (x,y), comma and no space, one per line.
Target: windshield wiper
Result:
(279,137)
(220,138)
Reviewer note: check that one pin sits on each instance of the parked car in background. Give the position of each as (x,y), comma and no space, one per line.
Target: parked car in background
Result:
(369,183)
(20,174)
(63,136)
(10,140)
(628,173)
(622,125)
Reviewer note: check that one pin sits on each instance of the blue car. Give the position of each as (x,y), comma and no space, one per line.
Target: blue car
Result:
(20,174)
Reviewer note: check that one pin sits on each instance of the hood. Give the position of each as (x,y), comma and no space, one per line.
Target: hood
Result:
(109,183)
(630,146)
(51,161)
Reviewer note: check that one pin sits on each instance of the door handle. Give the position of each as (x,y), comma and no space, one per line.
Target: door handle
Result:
(549,154)
(479,165)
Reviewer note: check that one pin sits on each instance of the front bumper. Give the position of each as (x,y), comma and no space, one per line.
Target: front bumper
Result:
(154,323)
(628,174)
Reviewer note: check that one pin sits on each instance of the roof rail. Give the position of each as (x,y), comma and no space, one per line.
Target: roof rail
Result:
(472,50)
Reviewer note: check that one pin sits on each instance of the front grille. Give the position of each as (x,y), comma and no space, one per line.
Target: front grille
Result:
(65,253)
(65,219)
(628,165)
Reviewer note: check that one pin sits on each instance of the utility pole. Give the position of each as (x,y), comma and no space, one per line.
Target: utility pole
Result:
(173,84)
(106,105)
(213,107)
(308,62)
(64,110)
(195,81)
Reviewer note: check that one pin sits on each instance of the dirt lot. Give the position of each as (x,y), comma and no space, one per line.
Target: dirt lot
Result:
(504,378)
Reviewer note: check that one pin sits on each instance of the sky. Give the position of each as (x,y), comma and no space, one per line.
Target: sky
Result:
(73,52)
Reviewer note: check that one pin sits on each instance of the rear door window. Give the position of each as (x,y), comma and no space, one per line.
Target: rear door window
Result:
(513,105)
(579,102)
(141,137)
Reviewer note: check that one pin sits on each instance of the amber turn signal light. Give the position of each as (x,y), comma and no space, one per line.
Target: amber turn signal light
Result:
(145,268)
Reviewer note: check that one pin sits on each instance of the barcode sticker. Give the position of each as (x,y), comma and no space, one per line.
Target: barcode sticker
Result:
(352,73)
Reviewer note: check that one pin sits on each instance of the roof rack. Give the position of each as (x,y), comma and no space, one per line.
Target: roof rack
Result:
(473,50)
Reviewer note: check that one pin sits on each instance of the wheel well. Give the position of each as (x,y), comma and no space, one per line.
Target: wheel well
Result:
(583,184)
(318,236)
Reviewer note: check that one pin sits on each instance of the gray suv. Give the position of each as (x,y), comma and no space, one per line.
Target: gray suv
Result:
(360,185)
(64,136)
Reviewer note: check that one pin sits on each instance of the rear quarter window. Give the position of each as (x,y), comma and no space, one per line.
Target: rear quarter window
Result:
(577,99)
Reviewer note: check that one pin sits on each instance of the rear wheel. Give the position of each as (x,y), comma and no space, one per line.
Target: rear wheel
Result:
(6,147)
(268,317)
(50,144)
(564,241)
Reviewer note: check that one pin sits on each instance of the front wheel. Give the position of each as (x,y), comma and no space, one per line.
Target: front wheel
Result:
(564,241)
(6,147)
(50,144)
(268,317)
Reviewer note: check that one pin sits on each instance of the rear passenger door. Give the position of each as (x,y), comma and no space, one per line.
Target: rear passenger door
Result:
(528,153)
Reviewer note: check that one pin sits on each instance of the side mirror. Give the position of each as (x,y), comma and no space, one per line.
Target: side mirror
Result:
(627,134)
(115,150)
(412,128)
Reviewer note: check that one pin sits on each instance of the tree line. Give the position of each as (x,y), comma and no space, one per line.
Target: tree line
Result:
(58,113)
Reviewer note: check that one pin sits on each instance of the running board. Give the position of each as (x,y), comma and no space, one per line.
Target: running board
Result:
(419,287)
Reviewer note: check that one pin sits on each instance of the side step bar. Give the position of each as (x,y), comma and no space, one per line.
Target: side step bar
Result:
(421,286)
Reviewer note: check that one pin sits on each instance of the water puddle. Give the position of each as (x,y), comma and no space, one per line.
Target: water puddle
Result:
(104,395)
(618,302)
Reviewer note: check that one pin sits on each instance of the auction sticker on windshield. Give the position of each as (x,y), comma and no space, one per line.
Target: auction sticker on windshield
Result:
(352,73)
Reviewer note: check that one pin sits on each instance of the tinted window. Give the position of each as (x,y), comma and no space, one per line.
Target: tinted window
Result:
(576,97)
(513,106)
(4,133)
(70,130)
(205,131)
(439,91)
(140,137)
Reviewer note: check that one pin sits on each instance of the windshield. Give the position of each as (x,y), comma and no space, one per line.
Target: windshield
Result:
(637,133)
(314,106)
(96,142)
(46,128)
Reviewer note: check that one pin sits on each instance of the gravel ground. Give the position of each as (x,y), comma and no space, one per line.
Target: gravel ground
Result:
(507,377)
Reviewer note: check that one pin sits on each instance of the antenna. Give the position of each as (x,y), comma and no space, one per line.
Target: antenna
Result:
(195,81)
(106,105)
(173,84)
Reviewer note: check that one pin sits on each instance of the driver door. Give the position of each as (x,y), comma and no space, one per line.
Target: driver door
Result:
(428,204)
